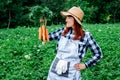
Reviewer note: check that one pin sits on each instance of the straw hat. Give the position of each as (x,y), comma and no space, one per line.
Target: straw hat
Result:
(76,12)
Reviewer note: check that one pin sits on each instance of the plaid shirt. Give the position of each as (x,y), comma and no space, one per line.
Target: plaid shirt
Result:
(86,42)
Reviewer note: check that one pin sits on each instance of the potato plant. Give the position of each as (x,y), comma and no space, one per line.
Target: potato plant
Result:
(24,57)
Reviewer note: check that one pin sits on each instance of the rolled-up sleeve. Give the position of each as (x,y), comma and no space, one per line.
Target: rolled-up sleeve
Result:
(56,34)
(96,50)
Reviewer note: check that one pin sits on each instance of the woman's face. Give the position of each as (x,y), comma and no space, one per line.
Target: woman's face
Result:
(69,21)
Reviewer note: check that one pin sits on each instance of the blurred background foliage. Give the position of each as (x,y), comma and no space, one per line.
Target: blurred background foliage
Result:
(15,13)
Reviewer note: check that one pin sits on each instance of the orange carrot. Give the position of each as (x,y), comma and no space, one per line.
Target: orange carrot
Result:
(43,34)
(46,35)
(43,30)
(40,33)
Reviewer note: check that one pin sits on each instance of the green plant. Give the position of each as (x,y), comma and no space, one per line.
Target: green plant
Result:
(24,57)
(38,12)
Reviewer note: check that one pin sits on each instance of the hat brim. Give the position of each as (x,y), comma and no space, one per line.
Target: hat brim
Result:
(67,14)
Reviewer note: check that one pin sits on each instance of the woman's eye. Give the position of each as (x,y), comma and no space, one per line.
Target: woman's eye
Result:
(69,16)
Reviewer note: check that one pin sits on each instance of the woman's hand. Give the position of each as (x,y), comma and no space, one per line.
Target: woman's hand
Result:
(79,66)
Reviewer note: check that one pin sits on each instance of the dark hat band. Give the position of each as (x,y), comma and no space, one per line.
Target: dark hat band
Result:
(74,15)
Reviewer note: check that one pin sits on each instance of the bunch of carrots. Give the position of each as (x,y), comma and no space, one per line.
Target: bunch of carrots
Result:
(43,32)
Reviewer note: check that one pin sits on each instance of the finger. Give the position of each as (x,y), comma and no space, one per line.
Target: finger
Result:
(76,66)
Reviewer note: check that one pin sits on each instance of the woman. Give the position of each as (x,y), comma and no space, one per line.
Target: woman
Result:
(72,45)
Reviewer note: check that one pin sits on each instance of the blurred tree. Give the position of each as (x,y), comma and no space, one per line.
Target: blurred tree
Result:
(107,10)
(114,9)
(4,17)
(55,6)
(11,13)
(16,12)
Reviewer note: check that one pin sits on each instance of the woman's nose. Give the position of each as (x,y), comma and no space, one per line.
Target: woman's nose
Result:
(66,20)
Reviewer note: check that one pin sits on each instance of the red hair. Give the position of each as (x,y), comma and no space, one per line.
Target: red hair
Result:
(78,31)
